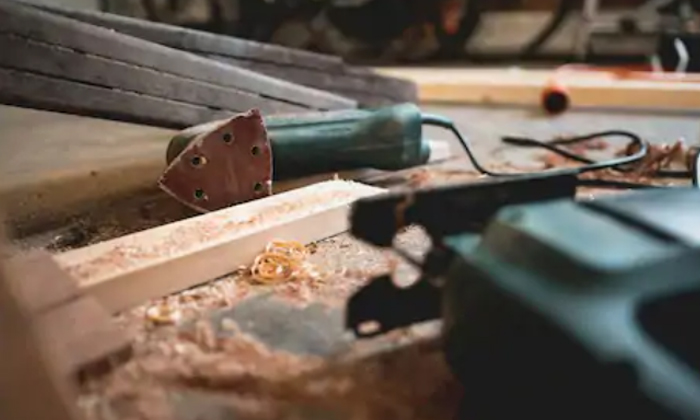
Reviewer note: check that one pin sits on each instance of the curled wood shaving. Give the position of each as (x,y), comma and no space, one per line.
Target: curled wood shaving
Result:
(163,314)
(281,262)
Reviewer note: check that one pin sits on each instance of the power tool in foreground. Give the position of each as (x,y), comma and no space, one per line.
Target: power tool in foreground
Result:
(552,307)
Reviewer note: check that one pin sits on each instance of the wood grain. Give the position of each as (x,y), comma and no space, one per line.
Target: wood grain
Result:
(320,71)
(525,87)
(49,60)
(51,94)
(194,40)
(37,25)
(31,386)
(130,270)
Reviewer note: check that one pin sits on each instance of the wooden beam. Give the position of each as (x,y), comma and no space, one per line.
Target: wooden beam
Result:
(320,71)
(31,386)
(82,335)
(130,270)
(70,66)
(525,87)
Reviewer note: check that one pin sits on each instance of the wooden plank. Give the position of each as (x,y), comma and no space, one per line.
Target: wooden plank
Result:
(525,87)
(28,22)
(31,386)
(82,335)
(39,282)
(51,94)
(194,40)
(50,60)
(86,339)
(128,271)
(320,71)
(367,88)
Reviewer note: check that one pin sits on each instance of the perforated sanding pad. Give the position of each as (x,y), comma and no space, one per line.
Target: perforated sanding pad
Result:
(227,163)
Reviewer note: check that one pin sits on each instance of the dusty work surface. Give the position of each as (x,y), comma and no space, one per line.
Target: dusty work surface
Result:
(55,166)
(245,350)
(236,349)
(51,163)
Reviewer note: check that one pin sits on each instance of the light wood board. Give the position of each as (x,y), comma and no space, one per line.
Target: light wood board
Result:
(132,269)
(31,386)
(81,334)
(525,87)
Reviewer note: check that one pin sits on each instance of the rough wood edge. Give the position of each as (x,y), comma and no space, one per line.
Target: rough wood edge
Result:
(81,334)
(31,386)
(525,88)
(180,255)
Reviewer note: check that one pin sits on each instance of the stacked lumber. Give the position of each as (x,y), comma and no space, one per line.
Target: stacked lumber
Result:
(320,71)
(56,63)
(106,66)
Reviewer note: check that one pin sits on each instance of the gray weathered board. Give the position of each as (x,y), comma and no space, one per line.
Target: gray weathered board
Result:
(319,71)
(56,63)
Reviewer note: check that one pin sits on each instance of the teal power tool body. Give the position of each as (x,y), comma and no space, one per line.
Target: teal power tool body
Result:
(551,307)
(222,163)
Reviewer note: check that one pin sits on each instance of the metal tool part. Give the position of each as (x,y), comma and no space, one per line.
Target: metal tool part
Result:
(561,308)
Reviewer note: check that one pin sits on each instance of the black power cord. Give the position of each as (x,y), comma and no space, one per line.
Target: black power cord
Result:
(695,170)
(588,165)
(564,9)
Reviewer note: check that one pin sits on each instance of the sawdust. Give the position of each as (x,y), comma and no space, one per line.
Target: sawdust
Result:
(106,220)
(378,387)
(409,382)
(425,177)
(127,254)
(674,156)
(259,382)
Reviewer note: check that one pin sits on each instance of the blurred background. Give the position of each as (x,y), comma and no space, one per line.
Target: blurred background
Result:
(396,31)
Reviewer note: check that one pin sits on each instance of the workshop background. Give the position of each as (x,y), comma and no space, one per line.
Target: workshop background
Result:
(269,209)
(390,30)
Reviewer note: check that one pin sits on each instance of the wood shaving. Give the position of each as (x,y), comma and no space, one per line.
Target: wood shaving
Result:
(675,156)
(163,314)
(281,262)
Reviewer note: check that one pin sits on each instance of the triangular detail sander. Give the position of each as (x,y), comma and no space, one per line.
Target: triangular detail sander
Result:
(222,163)
(219,164)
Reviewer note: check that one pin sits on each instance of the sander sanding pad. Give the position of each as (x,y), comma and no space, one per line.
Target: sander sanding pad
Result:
(227,163)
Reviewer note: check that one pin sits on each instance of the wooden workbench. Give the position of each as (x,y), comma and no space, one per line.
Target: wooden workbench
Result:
(284,353)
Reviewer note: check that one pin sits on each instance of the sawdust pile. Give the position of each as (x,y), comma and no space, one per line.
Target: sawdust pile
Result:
(410,382)
(389,377)
(174,240)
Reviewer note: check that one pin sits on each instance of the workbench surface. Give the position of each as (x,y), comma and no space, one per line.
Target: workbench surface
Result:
(243,350)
